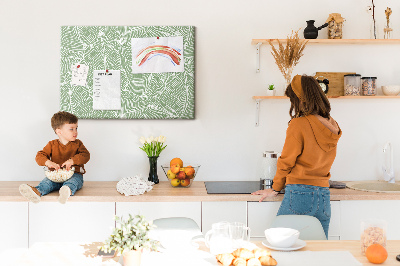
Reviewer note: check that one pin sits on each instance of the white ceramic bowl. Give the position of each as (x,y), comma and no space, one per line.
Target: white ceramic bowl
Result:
(391,90)
(282,237)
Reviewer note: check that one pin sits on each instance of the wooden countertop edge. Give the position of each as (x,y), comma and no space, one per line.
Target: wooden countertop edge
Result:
(105,191)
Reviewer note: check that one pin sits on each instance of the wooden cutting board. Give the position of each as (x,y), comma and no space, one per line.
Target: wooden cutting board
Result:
(336,81)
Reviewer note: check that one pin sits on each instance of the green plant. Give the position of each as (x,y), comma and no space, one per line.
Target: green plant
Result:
(130,234)
(153,146)
(271,87)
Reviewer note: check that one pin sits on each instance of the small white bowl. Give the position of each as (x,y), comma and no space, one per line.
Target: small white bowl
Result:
(391,90)
(282,237)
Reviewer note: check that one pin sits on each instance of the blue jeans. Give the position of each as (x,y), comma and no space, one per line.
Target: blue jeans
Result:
(74,183)
(308,200)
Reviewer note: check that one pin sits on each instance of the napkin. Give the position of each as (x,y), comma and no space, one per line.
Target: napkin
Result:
(315,258)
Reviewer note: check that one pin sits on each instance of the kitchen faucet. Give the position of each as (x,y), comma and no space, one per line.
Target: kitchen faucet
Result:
(388,174)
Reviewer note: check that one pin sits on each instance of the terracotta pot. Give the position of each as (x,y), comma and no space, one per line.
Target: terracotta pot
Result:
(132,257)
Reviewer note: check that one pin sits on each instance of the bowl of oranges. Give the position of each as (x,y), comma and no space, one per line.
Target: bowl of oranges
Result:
(180,174)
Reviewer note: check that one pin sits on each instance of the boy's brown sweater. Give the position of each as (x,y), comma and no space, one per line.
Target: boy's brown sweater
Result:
(307,155)
(57,152)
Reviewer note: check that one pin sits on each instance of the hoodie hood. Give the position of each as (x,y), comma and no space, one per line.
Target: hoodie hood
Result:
(325,138)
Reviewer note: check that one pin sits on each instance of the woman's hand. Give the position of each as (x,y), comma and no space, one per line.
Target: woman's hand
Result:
(269,192)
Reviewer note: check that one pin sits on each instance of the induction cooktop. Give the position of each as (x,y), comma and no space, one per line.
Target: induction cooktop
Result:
(233,187)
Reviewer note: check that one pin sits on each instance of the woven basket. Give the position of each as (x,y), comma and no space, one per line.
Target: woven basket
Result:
(60,175)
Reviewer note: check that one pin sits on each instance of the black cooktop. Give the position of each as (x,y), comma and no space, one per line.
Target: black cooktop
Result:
(233,187)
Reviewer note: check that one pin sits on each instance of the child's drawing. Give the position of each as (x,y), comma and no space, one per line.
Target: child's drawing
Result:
(157,55)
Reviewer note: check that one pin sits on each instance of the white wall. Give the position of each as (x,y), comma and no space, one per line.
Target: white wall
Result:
(222,138)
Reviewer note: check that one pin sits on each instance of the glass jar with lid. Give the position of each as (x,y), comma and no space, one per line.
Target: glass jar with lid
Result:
(368,86)
(352,85)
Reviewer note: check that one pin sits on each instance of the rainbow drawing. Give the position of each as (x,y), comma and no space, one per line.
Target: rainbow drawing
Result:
(153,50)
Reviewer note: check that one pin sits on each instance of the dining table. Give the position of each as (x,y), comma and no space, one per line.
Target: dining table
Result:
(86,254)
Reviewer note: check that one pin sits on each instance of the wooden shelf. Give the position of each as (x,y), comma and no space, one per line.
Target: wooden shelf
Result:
(331,97)
(259,98)
(332,41)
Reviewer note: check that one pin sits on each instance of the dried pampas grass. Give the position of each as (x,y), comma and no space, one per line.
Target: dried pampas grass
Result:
(287,57)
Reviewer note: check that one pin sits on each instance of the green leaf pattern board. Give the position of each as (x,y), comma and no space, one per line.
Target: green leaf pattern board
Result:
(168,95)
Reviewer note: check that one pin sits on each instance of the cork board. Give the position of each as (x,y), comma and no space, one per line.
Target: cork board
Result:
(162,95)
(336,82)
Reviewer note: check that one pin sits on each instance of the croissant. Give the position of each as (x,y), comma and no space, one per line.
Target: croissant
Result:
(267,261)
(226,258)
(239,262)
(258,252)
(253,262)
(243,253)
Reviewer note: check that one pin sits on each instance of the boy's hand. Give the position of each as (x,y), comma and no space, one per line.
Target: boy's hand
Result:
(68,164)
(51,164)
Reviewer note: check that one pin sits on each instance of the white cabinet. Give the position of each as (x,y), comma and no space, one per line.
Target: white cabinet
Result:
(218,211)
(154,210)
(13,225)
(260,216)
(72,222)
(354,211)
(334,225)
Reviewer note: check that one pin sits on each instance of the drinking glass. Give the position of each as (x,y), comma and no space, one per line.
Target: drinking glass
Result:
(239,232)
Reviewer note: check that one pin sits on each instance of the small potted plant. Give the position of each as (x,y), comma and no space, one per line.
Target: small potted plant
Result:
(129,238)
(271,90)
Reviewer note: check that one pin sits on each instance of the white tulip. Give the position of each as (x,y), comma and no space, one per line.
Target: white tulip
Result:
(148,140)
(156,139)
(151,138)
(142,140)
(162,138)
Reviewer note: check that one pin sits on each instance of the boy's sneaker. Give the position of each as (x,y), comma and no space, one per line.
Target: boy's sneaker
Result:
(65,192)
(30,193)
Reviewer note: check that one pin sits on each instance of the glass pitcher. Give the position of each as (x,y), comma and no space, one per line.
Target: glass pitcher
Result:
(218,239)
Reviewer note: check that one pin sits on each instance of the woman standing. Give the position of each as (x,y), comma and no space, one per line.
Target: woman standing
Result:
(308,153)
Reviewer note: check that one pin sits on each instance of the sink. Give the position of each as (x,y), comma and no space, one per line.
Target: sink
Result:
(375,186)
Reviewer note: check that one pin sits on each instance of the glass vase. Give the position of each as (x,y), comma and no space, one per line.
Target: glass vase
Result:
(153,177)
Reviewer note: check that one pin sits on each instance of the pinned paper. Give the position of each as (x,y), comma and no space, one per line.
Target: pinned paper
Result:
(157,54)
(79,74)
(107,90)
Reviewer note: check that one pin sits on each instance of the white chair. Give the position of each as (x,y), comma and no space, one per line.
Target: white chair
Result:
(179,228)
(177,223)
(310,227)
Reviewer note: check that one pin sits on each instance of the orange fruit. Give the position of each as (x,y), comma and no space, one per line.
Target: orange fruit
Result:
(176,161)
(376,253)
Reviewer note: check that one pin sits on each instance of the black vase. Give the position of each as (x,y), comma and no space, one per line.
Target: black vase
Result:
(153,177)
(311,32)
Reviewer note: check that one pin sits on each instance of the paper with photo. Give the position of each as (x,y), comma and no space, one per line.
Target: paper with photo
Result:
(157,54)
(106,90)
(79,74)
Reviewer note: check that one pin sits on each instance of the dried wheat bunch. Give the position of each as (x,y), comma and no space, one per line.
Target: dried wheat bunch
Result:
(287,57)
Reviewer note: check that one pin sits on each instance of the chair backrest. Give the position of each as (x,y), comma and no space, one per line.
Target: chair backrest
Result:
(178,223)
(310,227)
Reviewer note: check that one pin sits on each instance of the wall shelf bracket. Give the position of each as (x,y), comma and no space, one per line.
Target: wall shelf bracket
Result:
(257,112)
(258,57)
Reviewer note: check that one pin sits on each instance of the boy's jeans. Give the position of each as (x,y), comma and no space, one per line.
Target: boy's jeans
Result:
(74,183)
(308,200)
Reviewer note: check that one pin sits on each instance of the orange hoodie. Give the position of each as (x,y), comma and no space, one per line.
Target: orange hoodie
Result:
(308,153)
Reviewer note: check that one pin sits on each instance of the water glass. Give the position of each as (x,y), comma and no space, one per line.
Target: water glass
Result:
(239,233)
